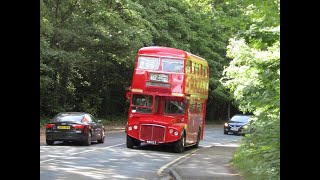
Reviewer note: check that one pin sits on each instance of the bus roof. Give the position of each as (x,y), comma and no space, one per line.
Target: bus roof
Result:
(166,52)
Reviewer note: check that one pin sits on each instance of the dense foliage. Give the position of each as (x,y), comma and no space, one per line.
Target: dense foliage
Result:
(253,77)
(88,48)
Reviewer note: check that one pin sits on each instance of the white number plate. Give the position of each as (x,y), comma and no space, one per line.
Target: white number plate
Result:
(152,142)
(234,128)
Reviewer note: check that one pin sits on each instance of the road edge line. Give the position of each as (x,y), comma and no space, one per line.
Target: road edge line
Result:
(159,172)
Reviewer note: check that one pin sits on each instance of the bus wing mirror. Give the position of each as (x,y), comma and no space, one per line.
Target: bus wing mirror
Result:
(128,95)
(128,92)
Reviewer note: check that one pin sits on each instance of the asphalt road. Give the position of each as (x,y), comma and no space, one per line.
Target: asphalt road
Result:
(112,160)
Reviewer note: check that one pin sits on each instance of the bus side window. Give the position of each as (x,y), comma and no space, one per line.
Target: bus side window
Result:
(207,71)
(199,108)
(193,68)
(188,68)
(196,69)
(192,108)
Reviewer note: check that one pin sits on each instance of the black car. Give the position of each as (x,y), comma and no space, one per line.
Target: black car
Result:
(237,124)
(76,127)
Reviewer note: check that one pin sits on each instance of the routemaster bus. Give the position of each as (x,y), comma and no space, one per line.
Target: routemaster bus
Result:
(168,97)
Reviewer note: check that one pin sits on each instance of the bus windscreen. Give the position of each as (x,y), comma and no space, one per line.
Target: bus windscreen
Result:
(172,65)
(141,103)
(151,63)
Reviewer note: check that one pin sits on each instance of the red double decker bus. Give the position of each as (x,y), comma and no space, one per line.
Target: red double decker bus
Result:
(168,98)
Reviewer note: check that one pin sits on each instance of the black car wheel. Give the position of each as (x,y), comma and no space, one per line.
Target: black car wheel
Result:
(102,137)
(49,142)
(87,142)
(225,132)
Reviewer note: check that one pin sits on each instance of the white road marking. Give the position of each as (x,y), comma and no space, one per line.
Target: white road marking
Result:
(96,149)
(85,151)
(46,160)
(228,145)
(173,161)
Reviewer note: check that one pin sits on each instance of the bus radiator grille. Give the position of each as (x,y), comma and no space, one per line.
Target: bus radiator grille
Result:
(152,133)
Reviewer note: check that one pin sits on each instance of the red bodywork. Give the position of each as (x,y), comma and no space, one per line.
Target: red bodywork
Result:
(157,126)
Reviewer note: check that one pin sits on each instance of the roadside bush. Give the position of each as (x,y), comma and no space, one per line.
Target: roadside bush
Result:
(258,157)
(44,121)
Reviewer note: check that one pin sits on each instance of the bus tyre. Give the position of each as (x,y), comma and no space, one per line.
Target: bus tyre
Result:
(137,142)
(130,141)
(49,142)
(179,145)
(198,139)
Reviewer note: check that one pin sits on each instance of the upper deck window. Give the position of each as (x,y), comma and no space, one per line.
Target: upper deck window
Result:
(188,67)
(204,71)
(172,65)
(151,63)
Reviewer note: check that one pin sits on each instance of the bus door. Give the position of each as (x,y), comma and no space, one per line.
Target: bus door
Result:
(191,130)
(199,118)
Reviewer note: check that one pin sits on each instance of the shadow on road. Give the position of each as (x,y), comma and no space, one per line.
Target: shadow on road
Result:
(70,143)
(162,148)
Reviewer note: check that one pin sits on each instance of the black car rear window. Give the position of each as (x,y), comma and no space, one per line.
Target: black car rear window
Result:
(68,118)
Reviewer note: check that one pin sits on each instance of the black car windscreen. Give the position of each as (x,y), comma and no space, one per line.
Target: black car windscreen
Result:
(240,118)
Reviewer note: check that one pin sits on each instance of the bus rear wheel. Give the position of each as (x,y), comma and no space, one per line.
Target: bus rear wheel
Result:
(198,139)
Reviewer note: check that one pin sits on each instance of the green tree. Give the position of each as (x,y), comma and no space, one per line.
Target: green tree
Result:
(253,77)
(88,48)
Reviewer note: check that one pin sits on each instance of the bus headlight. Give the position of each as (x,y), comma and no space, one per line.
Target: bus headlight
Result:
(176,133)
(170,131)
(135,127)
(130,128)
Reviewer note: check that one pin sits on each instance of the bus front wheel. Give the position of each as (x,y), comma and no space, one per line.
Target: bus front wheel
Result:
(179,145)
(132,142)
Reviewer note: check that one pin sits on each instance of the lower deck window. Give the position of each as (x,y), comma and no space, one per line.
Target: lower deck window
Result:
(175,107)
(141,103)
